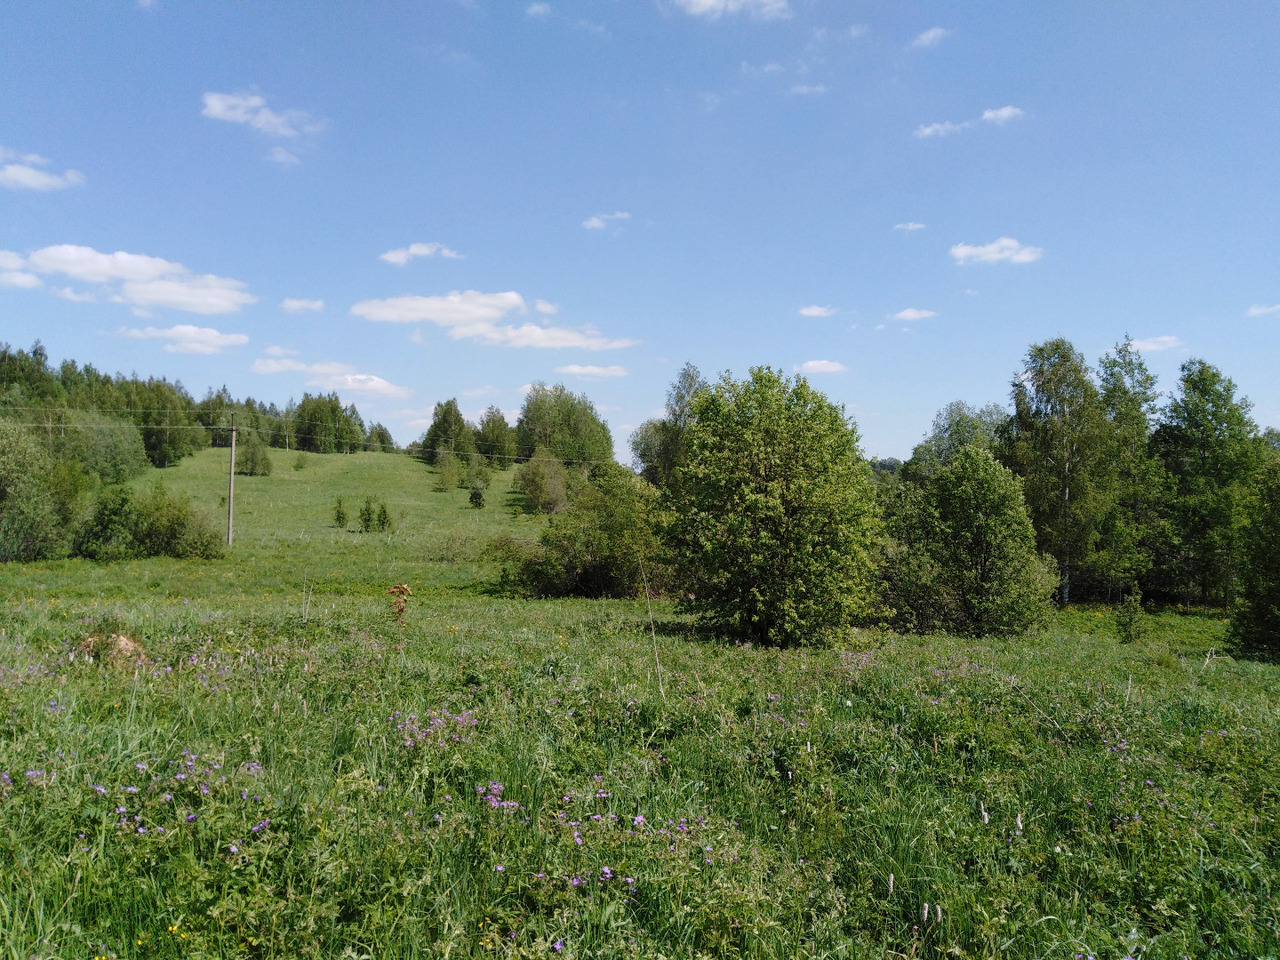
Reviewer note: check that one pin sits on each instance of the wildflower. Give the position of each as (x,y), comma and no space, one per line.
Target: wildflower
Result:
(558,946)
(233,848)
(500,868)
(638,820)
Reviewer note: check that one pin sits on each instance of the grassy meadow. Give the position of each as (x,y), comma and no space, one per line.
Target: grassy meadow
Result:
(285,770)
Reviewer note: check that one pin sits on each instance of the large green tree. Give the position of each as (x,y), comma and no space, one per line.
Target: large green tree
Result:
(955,426)
(1058,442)
(1133,529)
(495,439)
(449,433)
(773,512)
(658,445)
(565,423)
(1208,445)
(1255,621)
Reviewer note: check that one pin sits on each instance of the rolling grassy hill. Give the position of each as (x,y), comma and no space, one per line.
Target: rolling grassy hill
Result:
(284,770)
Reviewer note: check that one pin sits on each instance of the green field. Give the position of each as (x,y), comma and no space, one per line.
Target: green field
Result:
(289,772)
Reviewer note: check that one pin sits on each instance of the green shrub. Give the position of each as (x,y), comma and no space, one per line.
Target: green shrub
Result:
(30,526)
(1129,617)
(340,517)
(476,498)
(125,526)
(603,545)
(960,553)
(544,481)
(449,471)
(300,461)
(252,458)
(374,516)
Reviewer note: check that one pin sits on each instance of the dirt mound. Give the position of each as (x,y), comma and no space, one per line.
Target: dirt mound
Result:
(117,647)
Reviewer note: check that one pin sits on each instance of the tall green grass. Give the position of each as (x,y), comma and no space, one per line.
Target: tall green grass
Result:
(288,772)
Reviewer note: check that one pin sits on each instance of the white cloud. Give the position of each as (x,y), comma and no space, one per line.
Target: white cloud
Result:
(11,261)
(910,226)
(185,338)
(930,38)
(1004,249)
(911,313)
(600,220)
(859,30)
(806,90)
(251,109)
(282,156)
(279,352)
(19,176)
(295,305)
(944,129)
(145,281)
(18,279)
(1002,115)
(538,10)
(1156,344)
(329,375)
(1258,310)
(714,9)
(816,311)
(544,306)
(204,294)
(589,372)
(403,255)
(75,296)
(475,316)
(822,366)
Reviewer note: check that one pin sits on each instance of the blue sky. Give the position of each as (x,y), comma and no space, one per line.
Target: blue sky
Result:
(418,199)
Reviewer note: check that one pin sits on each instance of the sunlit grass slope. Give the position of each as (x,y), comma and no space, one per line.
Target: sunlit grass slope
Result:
(289,772)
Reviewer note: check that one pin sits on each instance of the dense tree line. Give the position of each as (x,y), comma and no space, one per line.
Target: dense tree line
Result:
(72,435)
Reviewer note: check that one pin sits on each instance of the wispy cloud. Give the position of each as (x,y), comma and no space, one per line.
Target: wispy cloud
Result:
(545,307)
(930,38)
(1156,344)
(20,172)
(714,9)
(536,10)
(1259,310)
(405,254)
(185,338)
(1003,115)
(601,220)
(295,305)
(997,117)
(252,110)
(476,316)
(821,366)
(909,227)
(1003,250)
(590,372)
(944,129)
(330,375)
(913,313)
(814,310)
(143,281)
(278,154)
(19,280)
(808,90)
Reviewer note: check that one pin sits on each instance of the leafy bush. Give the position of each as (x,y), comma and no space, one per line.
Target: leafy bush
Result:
(961,552)
(544,481)
(340,517)
(449,471)
(300,461)
(603,545)
(126,526)
(773,512)
(30,527)
(252,458)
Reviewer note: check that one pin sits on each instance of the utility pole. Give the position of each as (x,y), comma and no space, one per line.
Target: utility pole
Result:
(231,482)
